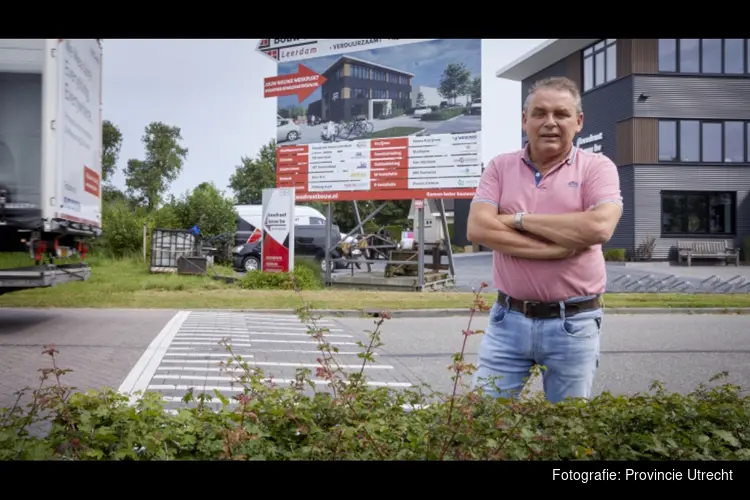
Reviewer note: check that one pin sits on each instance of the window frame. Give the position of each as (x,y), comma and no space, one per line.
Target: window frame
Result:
(702,125)
(722,72)
(745,126)
(707,194)
(701,122)
(590,53)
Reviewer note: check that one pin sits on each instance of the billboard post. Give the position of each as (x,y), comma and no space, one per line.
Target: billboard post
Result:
(277,247)
(377,120)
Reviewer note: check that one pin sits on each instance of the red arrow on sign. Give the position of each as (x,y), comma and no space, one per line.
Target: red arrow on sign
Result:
(303,83)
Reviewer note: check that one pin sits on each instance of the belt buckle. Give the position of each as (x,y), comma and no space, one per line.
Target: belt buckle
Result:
(529,305)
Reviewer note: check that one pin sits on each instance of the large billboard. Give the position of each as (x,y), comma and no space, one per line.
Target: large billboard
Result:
(377,119)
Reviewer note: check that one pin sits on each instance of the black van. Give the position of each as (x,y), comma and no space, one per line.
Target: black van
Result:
(309,242)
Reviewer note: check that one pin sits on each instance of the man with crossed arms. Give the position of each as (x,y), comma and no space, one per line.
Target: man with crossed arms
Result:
(545,211)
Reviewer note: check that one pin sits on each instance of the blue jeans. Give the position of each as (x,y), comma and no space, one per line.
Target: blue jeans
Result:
(566,347)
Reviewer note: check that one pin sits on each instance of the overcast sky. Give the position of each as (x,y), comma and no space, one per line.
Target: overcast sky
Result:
(213,90)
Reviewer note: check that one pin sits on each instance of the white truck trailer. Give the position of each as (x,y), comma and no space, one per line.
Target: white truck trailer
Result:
(50,157)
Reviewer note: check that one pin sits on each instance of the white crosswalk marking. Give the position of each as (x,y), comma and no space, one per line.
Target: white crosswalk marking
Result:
(187,354)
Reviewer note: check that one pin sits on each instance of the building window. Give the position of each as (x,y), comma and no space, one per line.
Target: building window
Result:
(359,93)
(360,72)
(734,141)
(690,143)
(379,74)
(711,143)
(690,55)
(379,94)
(599,63)
(712,56)
(667,140)
(734,56)
(697,213)
(704,141)
(667,54)
(711,59)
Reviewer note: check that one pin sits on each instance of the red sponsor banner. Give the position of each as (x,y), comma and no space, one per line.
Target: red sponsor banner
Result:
(91,181)
(401,173)
(302,83)
(290,179)
(300,168)
(390,184)
(393,163)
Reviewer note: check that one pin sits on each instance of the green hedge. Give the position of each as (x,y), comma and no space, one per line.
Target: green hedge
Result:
(615,254)
(353,421)
(307,275)
(443,114)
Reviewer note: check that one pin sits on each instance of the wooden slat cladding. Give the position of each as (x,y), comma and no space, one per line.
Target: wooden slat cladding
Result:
(637,55)
(624,151)
(574,68)
(624,57)
(645,56)
(637,141)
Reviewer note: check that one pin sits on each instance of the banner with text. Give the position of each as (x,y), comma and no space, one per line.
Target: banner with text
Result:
(277,252)
(384,119)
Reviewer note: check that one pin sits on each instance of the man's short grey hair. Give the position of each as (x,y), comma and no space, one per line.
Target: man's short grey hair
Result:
(557,83)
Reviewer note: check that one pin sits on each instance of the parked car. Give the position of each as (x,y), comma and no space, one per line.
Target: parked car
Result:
(475,108)
(250,217)
(287,130)
(309,242)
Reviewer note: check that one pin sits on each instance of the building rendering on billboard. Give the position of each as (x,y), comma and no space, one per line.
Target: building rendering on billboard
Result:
(377,119)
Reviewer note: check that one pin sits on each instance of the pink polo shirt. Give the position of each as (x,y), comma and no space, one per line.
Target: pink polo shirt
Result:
(583,180)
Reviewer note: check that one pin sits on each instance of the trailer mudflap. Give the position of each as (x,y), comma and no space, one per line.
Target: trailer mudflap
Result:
(22,278)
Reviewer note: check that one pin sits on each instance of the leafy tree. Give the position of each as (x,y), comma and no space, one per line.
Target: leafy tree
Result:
(475,88)
(420,99)
(207,208)
(111,144)
(148,179)
(251,177)
(454,82)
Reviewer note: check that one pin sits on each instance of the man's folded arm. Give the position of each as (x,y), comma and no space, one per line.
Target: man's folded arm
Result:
(596,224)
(486,229)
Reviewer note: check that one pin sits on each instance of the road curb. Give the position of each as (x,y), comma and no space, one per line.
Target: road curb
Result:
(444,313)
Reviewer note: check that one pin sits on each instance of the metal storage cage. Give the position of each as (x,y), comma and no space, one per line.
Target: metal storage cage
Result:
(168,245)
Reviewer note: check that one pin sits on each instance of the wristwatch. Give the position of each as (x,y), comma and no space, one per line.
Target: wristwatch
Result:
(518,220)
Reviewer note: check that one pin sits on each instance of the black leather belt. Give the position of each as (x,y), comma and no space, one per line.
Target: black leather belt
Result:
(543,310)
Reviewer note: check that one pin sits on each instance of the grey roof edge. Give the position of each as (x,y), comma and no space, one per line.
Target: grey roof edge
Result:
(542,56)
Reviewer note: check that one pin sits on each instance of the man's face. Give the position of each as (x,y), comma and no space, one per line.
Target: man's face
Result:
(551,121)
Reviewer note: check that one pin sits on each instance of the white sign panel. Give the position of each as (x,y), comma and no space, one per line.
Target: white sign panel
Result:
(78,129)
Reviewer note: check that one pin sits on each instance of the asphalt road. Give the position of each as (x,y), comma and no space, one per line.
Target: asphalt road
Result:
(99,345)
(167,351)
(680,350)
